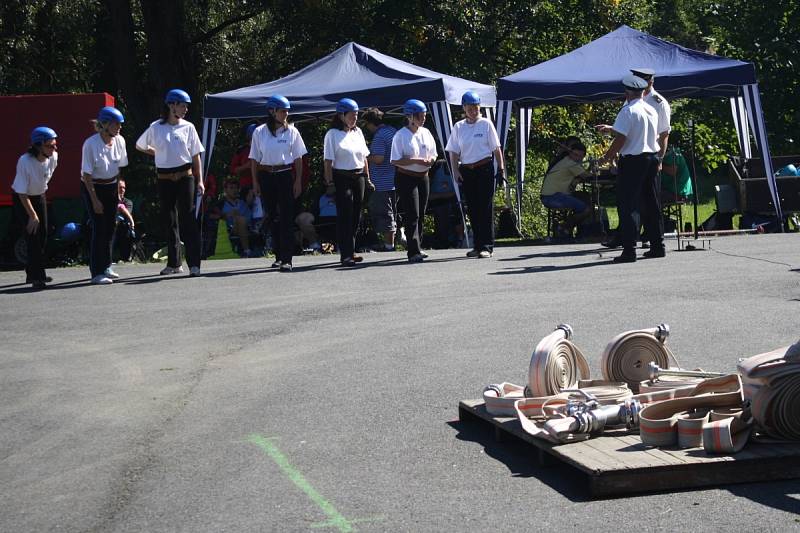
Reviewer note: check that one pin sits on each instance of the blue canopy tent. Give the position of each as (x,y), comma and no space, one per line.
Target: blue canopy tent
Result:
(352,71)
(593,72)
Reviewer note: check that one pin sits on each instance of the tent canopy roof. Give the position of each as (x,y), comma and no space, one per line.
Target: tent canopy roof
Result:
(352,71)
(593,72)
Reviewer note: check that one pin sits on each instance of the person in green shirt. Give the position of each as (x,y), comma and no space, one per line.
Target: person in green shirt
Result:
(676,182)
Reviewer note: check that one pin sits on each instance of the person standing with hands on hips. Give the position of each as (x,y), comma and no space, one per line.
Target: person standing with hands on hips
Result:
(345,154)
(413,153)
(276,146)
(636,140)
(473,146)
(104,153)
(176,146)
(34,170)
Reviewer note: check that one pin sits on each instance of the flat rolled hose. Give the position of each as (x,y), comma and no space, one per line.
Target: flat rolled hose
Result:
(556,364)
(628,356)
(772,382)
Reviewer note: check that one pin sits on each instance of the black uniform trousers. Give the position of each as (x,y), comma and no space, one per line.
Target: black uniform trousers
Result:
(650,205)
(37,240)
(478,186)
(102,224)
(414,192)
(349,198)
(277,193)
(176,207)
(635,173)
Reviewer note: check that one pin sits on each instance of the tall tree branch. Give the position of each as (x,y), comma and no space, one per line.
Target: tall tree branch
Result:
(205,36)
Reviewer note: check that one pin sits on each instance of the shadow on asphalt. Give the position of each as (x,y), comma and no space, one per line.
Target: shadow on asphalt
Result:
(550,268)
(520,459)
(781,495)
(571,253)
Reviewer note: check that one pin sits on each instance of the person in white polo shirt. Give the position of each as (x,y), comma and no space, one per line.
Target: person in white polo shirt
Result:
(103,155)
(276,146)
(34,170)
(176,146)
(345,155)
(413,153)
(473,147)
(636,141)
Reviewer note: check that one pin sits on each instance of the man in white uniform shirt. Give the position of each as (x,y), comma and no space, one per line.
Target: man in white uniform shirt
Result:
(635,140)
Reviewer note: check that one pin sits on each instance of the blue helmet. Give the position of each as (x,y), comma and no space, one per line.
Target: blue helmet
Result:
(788,170)
(277,101)
(177,96)
(414,106)
(41,134)
(70,232)
(470,97)
(250,129)
(110,114)
(345,105)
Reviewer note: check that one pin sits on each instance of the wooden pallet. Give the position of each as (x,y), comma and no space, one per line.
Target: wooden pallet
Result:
(618,463)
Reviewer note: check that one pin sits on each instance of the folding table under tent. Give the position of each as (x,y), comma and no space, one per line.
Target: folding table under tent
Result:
(353,71)
(593,72)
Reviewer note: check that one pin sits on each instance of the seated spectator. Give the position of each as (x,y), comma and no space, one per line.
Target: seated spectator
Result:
(306,235)
(241,168)
(448,230)
(676,182)
(237,215)
(566,169)
(125,229)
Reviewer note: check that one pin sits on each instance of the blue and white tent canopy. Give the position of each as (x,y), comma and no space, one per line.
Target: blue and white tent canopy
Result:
(593,72)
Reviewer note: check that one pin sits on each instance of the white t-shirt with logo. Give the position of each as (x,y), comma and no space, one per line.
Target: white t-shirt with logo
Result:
(102,161)
(279,149)
(34,175)
(174,145)
(417,145)
(347,149)
(473,142)
(638,122)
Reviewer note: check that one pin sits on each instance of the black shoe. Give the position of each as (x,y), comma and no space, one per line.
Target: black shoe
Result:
(645,244)
(626,257)
(416,258)
(653,253)
(47,279)
(423,254)
(38,284)
(613,242)
(349,262)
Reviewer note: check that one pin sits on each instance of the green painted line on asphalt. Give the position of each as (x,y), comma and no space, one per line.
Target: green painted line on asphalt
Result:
(335,518)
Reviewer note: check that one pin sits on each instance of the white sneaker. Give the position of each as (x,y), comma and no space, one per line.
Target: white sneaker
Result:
(484,254)
(276,264)
(109,273)
(194,271)
(171,270)
(101,279)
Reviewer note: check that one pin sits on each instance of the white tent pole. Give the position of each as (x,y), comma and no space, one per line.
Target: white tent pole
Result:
(209,138)
(524,114)
(443,122)
(741,123)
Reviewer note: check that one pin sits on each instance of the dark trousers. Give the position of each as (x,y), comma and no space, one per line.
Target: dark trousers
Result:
(122,241)
(634,172)
(349,197)
(37,240)
(650,206)
(102,225)
(479,194)
(413,193)
(176,207)
(277,195)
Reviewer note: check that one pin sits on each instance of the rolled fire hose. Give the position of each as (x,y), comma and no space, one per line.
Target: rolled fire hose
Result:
(556,364)
(772,383)
(628,355)
(500,398)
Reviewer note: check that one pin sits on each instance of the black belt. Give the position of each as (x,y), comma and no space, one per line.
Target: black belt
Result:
(354,171)
(643,154)
(412,173)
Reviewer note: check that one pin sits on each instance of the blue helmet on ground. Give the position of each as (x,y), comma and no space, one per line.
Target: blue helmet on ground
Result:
(470,97)
(110,114)
(41,134)
(250,129)
(177,96)
(70,232)
(277,101)
(788,170)
(345,105)
(414,106)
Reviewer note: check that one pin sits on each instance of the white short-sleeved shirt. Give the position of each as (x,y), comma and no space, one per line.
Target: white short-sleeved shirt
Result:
(416,145)
(660,104)
(174,145)
(34,175)
(279,149)
(103,161)
(473,142)
(347,149)
(638,122)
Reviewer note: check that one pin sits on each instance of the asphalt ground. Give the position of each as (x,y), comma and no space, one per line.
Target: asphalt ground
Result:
(326,399)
